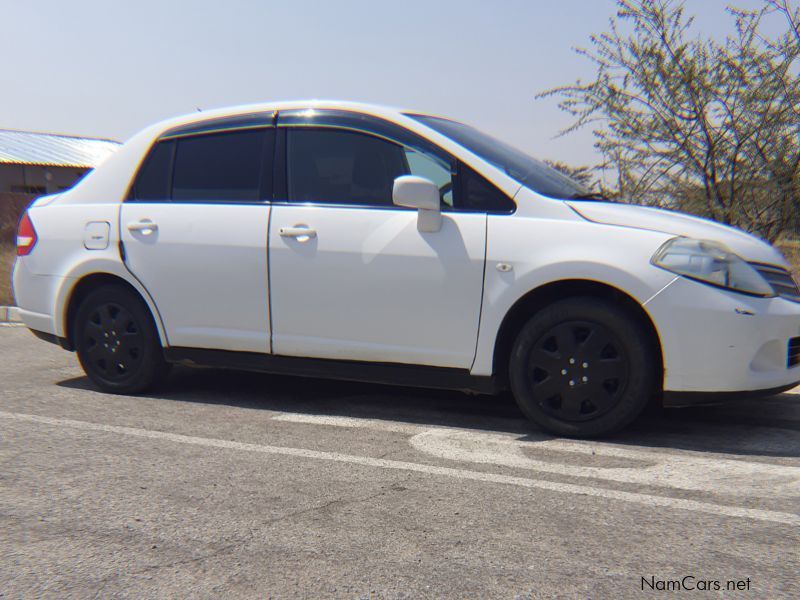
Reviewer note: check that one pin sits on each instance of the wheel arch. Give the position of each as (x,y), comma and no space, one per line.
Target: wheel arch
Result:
(534,300)
(84,285)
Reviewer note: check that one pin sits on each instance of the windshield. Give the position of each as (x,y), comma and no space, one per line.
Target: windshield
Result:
(531,173)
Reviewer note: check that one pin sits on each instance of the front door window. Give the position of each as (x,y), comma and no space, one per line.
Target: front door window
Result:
(344,167)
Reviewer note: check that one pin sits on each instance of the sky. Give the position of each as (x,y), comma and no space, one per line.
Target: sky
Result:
(109,68)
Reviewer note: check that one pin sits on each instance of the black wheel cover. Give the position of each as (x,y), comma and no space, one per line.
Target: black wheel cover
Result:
(113,342)
(578,371)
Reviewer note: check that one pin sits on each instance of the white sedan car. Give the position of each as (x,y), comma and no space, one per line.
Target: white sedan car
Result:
(341,240)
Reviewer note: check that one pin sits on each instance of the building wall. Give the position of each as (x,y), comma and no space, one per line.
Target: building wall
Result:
(37,180)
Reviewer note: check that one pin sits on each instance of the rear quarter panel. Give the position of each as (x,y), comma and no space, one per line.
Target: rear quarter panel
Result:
(45,279)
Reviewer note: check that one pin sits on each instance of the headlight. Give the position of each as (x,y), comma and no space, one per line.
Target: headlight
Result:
(712,263)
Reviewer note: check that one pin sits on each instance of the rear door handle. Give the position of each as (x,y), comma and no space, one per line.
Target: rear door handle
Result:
(301,233)
(145,226)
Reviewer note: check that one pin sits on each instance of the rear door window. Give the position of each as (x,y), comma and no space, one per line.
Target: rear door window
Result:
(222,167)
(153,182)
(228,166)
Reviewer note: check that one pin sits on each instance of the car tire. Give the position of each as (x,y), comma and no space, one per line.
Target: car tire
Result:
(117,342)
(583,367)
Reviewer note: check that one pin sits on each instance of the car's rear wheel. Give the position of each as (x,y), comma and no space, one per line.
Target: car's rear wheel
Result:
(117,342)
(582,367)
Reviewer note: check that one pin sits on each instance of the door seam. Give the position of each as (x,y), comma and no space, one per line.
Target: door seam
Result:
(124,258)
(269,280)
(483,290)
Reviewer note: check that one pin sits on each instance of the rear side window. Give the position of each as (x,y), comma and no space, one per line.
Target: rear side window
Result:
(153,182)
(342,167)
(220,166)
(231,166)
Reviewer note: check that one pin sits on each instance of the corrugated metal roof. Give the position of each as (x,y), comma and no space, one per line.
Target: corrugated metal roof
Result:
(48,149)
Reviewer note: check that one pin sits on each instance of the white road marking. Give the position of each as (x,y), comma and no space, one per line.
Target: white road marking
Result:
(685,470)
(462,474)
(353,422)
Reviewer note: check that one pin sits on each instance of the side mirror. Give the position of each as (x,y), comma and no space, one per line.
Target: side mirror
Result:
(420,193)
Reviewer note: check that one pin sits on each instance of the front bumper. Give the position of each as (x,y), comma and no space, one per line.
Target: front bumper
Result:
(715,341)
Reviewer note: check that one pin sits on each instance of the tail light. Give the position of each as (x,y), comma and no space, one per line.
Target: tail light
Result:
(26,236)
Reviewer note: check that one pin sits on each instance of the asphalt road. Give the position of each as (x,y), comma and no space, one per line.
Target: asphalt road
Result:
(229,485)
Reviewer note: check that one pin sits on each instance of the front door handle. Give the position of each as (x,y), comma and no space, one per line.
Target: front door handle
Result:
(302,233)
(145,226)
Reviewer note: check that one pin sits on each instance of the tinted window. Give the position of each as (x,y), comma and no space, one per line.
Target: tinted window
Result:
(530,172)
(353,121)
(153,180)
(342,167)
(479,195)
(219,167)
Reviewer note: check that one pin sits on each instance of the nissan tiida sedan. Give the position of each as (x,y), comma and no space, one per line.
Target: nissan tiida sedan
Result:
(340,240)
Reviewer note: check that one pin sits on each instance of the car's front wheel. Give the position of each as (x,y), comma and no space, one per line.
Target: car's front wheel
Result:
(117,342)
(582,367)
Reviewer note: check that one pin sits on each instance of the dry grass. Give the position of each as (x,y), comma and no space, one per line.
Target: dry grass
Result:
(791,250)
(11,207)
(8,252)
